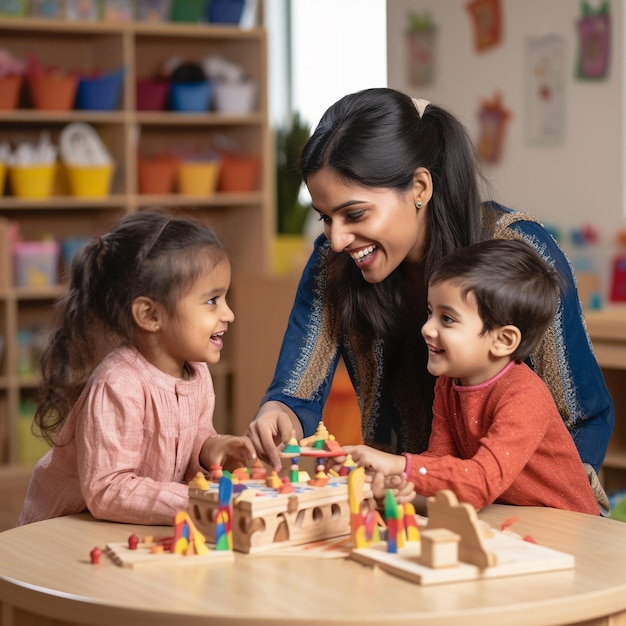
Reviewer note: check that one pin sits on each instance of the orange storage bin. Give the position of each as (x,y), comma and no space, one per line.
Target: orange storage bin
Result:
(239,173)
(10,87)
(157,176)
(53,93)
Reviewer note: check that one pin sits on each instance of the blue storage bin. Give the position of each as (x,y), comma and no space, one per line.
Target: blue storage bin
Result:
(225,11)
(101,93)
(191,97)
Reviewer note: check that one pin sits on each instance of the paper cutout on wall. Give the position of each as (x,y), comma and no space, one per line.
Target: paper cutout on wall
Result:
(487,19)
(492,118)
(546,89)
(594,42)
(420,43)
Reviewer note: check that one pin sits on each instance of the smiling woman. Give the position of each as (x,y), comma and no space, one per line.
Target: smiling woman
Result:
(398,188)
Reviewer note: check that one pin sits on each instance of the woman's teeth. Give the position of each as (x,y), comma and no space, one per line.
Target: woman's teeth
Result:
(362,254)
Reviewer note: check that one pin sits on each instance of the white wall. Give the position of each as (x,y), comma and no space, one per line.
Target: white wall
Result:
(338,46)
(577,182)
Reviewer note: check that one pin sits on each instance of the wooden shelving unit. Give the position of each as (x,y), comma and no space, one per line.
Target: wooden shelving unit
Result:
(607,329)
(245,221)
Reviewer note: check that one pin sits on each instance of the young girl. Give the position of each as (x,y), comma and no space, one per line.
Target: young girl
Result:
(127,397)
(497,434)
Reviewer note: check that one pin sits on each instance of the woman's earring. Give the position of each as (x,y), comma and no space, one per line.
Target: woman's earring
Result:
(419,204)
(157,327)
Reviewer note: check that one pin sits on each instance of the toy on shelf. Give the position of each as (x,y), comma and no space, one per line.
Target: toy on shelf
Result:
(453,545)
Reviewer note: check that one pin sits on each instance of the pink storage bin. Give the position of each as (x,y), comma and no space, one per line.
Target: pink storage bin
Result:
(36,263)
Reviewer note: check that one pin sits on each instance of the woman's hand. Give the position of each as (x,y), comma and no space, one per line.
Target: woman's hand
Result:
(272,427)
(227,451)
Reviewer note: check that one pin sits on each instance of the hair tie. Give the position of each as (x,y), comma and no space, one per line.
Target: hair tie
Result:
(420,105)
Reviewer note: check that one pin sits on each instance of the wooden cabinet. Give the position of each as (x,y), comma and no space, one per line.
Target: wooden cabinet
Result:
(244,220)
(607,329)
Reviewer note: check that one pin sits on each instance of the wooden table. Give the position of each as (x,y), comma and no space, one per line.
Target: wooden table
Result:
(46,578)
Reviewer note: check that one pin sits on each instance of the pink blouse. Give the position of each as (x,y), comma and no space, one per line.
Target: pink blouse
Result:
(128,447)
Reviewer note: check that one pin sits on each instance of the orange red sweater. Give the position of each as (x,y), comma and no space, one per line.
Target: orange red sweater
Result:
(502,441)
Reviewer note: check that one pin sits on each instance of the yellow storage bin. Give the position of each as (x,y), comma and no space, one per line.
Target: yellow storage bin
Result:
(90,181)
(198,178)
(32,181)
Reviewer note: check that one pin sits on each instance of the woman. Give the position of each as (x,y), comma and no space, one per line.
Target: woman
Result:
(396,184)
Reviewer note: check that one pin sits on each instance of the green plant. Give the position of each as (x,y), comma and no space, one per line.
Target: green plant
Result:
(290,140)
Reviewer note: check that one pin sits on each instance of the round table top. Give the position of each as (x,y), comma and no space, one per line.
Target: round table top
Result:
(45,569)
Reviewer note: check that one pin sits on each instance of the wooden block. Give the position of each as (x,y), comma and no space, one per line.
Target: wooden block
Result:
(143,556)
(514,556)
(445,511)
(440,548)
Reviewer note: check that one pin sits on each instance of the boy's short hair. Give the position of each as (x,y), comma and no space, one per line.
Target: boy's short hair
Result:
(512,284)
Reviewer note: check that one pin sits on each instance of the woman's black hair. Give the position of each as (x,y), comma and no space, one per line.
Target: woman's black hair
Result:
(377,138)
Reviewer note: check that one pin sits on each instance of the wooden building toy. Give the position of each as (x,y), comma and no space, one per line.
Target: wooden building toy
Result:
(186,545)
(453,546)
(264,516)
(440,548)
(282,511)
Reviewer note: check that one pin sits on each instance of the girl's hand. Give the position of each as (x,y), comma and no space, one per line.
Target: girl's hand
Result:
(228,451)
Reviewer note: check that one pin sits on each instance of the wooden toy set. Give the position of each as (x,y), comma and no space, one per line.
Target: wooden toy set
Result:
(294,510)
(452,545)
(250,511)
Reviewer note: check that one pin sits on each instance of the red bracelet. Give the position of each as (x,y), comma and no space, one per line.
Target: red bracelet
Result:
(409,462)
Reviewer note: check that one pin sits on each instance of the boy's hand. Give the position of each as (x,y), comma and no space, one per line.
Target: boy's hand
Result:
(403,490)
(376,460)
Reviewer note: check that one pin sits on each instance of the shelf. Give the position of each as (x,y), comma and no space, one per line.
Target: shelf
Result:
(244,220)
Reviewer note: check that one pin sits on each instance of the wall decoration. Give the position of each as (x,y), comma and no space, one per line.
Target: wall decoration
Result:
(420,42)
(487,18)
(493,118)
(594,41)
(546,89)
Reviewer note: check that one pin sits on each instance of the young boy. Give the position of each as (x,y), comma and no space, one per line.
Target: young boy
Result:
(497,435)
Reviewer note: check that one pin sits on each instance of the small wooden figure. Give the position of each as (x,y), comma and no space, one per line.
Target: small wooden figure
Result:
(187,538)
(410,523)
(200,481)
(395,523)
(215,472)
(445,511)
(440,548)
(223,528)
(133,542)
(95,555)
(363,525)
(273,481)
(258,471)
(317,439)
